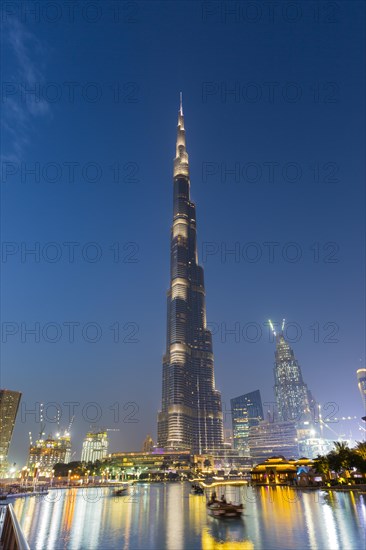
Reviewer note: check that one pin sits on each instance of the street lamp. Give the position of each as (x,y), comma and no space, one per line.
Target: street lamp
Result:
(68,478)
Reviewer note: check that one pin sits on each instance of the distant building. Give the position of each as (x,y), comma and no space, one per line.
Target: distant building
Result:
(9,404)
(148,444)
(48,452)
(294,400)
(95,446)
(312,447)
(158,460)
(361,379)
(246,411)
(270,439)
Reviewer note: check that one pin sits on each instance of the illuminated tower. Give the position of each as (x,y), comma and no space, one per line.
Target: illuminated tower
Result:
(9,404)
(361,379)
(294,400)
(95,446)
(191,415)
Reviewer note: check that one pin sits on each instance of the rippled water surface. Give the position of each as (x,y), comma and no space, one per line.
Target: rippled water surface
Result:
(167,516)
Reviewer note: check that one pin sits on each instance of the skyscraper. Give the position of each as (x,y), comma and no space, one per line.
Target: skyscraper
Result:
(361,380)
(9,404)
(294,400)
(246,411)
(191,414)
(95,446)
(45,453)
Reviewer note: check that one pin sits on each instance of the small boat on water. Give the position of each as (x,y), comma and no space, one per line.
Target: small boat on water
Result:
(222,509)
(228,510)
(121,491)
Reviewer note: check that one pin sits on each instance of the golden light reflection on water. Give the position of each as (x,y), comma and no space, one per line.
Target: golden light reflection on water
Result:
(167,516)
(211,543)
(69,509)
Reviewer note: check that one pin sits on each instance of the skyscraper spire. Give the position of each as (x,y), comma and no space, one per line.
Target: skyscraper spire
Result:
(191,414)
(181,103)
(181,166)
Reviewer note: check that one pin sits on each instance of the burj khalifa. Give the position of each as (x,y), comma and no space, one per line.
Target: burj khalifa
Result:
(191,412)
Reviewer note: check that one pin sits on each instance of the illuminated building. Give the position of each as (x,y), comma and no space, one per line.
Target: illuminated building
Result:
(148,444)
(191,414)
(269,439)
(48,452)
(361,379)
(314,446)
(294,400)
(9,404)
(95,446)
(155,461)
(279,471)
(246,411)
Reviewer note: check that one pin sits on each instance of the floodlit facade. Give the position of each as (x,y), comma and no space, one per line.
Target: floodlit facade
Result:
(191,414)
(361,380)
(48,452)
(246,411)
(95,446)
(148,444)
(9,404)
(315,446)
(294,400)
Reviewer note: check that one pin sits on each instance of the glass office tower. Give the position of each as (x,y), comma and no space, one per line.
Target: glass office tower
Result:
(246,411)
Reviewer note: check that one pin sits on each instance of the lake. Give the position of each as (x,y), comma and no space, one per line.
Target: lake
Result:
(166,515)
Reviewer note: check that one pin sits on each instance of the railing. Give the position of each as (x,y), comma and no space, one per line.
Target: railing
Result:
(12,537)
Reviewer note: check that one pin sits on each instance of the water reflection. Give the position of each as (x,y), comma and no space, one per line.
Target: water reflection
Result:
(226,534)
(169,516)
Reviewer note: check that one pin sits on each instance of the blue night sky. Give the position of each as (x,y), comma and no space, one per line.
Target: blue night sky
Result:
(279,97)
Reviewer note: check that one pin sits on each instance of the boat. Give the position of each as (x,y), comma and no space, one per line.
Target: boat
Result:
(121,491)
(225,510)
(222,509)
(197,489)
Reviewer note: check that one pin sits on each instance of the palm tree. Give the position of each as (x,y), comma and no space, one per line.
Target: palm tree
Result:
(321,466)
(360,449)
(340,459)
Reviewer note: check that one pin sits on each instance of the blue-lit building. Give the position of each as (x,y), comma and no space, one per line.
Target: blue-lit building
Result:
(246,411)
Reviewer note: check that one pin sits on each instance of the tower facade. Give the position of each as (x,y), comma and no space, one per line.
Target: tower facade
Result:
(294,400)
(95,446)
(9,404)
(361,382)
(191,414)
(246,411)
